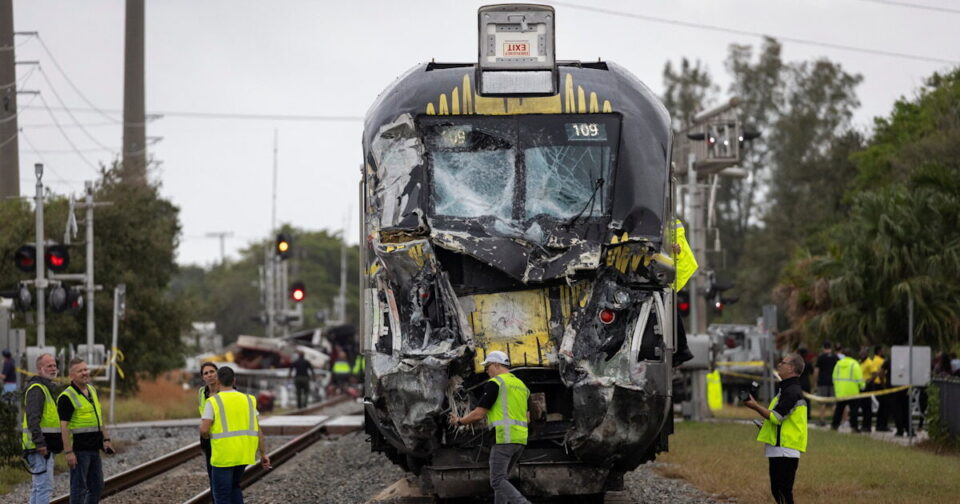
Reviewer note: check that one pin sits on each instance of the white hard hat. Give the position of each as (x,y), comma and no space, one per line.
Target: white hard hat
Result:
(496,357)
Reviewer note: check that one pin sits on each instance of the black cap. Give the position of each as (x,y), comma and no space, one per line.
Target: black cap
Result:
(6,353)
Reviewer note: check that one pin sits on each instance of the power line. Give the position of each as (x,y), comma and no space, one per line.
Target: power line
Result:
(67,137)
(721,29)
(914,6)
(69,113)
(42,159)
(229,115)
(70,82)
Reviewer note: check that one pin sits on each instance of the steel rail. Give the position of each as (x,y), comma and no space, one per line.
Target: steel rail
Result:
(136,475)
(277,457)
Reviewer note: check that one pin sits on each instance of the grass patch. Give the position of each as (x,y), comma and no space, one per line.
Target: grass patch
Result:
(735,412)
(161,399)
(10,477)
(724,458)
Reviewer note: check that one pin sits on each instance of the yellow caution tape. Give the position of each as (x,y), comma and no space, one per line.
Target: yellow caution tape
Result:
(744,375)
(59,379)
(116,359)
(862,395)
(753,363)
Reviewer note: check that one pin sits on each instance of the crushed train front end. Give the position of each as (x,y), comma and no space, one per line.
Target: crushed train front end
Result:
(531,225)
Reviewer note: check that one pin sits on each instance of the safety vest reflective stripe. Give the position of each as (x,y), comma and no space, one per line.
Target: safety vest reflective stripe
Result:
(81,430)
(46,430)
(221,435)
(506,412)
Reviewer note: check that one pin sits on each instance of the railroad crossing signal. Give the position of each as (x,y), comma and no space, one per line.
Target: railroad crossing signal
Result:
(26,258)
(298,292)
(683,303)
(284,248)
(57,258)
(65,298)
(21,296)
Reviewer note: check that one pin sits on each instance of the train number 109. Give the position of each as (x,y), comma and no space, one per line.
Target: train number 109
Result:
(586,131)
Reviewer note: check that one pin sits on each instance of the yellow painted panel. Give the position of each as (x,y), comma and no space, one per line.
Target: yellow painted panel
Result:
(467,96)
(594,108)
(515,323)
(606,106)
(430,110)
(568,93)
(455,102)
(581,101)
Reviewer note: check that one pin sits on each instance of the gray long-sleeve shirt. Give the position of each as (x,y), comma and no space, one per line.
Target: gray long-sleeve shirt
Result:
(34,411)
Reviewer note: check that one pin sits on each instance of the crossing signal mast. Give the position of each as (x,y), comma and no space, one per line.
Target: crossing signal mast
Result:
(274,280)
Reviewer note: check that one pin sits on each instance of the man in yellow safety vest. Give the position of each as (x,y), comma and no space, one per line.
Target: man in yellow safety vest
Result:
(504,405)
(40,438)
(230,420)
(83,434)
(847,381)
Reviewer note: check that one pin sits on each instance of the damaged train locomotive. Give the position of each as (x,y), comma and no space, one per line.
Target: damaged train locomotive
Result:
(519,207)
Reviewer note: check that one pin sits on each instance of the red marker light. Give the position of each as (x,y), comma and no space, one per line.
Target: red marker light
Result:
(607,316)
(297,295)
(56,260)
(684,307)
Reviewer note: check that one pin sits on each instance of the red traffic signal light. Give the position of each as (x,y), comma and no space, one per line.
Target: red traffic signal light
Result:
(284,246)
(683,303)
(57,258)
(298,292)
(26,258)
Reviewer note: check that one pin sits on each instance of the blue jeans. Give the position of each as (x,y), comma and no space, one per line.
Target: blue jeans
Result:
(225,484)
(42,489)
(86,480)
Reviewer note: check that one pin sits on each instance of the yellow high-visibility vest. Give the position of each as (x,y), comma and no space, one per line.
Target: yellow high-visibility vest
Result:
(49,421)
(508,415)
(234,434)
(847,377)
(87,416)
(686,262)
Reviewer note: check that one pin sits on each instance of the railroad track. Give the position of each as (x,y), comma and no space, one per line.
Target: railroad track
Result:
(158,466)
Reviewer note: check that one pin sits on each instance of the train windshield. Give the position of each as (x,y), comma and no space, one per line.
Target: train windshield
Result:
(514,169)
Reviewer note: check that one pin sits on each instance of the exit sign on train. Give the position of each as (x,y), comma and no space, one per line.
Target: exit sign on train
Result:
(516,48)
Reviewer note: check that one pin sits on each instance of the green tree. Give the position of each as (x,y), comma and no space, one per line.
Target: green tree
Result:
(687,91)
(901,238)
(805,150)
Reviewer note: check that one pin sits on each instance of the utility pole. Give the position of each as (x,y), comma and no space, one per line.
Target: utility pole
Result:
(222,235)
(41,283)
(134,96)
(9,146)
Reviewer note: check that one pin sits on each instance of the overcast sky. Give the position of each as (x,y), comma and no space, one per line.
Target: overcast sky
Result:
(315,59)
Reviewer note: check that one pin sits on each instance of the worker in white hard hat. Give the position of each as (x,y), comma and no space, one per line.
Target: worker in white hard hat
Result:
(504,405)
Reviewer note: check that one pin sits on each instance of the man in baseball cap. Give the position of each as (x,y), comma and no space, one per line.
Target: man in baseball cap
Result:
(504,404)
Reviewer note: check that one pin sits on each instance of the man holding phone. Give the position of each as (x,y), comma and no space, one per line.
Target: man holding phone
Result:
(83,433)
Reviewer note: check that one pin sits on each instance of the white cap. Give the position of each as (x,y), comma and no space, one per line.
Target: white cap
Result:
(496,357)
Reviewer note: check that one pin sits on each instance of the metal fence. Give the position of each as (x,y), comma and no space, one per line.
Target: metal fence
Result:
(950,403)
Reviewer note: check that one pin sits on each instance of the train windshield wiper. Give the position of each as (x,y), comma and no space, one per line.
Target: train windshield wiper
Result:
(589,204)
